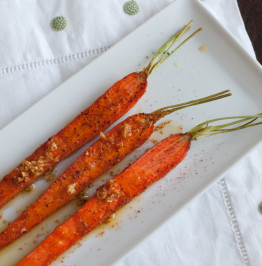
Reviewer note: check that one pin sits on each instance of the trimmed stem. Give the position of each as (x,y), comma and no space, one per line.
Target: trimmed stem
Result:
(163,53)
(160,113)
(204,130)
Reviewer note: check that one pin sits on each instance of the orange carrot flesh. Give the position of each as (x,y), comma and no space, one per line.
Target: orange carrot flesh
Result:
(117,192)
(108,108)
(96,160)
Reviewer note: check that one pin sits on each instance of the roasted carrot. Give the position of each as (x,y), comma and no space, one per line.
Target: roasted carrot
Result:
(117,192)
(108,108)
(111,148)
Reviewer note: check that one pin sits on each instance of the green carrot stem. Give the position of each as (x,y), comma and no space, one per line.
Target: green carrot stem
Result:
(204,130)
(163,53)
(160,113)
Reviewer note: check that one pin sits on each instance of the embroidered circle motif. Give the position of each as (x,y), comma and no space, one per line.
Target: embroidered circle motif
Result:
(260,207)
(131,7)
(59,23)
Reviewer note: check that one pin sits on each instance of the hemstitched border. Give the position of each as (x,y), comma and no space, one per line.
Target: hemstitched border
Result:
(52,61)
(234,222)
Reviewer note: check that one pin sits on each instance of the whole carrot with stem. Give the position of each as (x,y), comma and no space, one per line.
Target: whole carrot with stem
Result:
(111,148)
(117,192)
(108,108)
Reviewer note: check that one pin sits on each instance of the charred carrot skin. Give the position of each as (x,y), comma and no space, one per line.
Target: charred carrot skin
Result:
(96,160)
(117,192)
(108,108)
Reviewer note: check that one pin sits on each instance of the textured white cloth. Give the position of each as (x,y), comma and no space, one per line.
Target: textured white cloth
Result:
(221,227)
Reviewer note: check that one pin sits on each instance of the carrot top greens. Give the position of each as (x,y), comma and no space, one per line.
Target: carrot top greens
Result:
(205,130)
(160,113)
(164,52)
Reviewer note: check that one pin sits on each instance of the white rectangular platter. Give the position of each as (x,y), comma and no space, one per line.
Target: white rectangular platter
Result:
(187,75)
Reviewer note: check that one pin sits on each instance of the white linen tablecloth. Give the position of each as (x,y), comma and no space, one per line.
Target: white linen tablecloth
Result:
(221,227)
